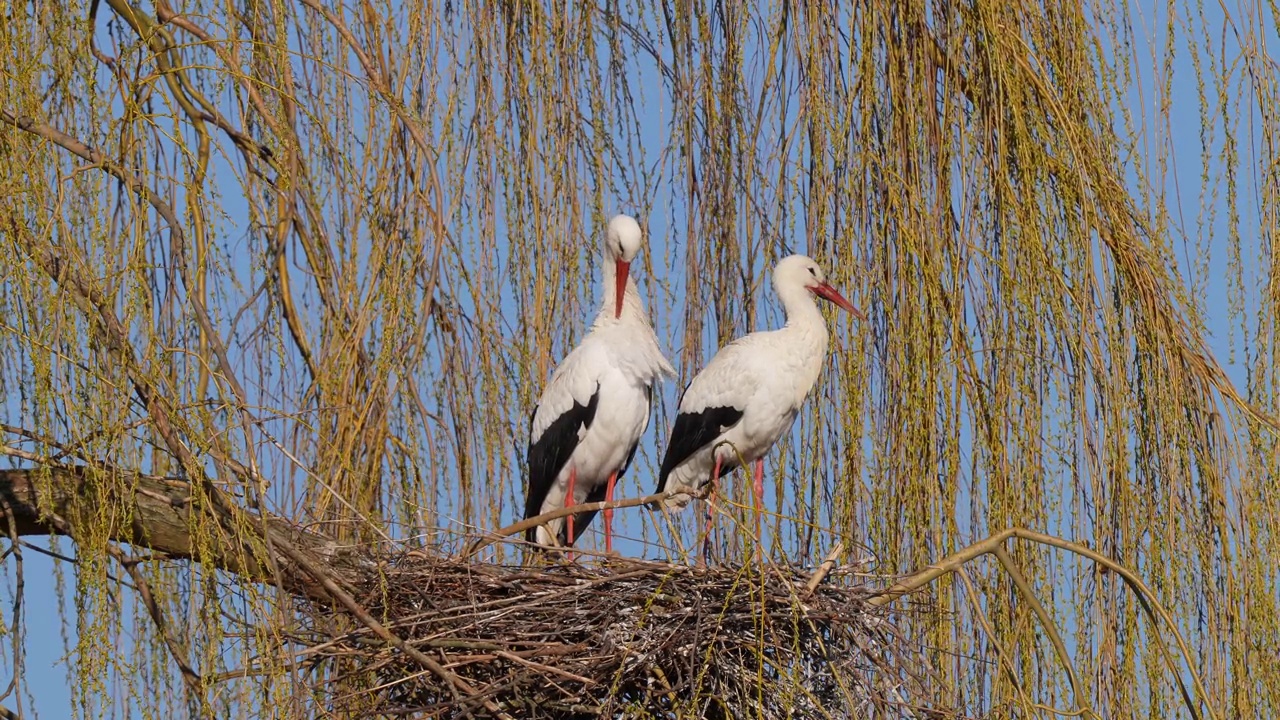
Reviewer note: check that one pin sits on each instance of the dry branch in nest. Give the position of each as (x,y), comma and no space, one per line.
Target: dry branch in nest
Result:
(621,639)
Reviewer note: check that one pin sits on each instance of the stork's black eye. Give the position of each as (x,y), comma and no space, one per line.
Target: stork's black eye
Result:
(813,271)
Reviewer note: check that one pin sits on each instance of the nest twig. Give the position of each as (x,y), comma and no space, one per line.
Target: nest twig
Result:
(621,639)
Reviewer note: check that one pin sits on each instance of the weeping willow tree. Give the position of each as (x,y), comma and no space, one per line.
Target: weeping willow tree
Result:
(279,279)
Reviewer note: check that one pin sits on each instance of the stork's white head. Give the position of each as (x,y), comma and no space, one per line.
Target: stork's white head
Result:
(622,243)
(799,271)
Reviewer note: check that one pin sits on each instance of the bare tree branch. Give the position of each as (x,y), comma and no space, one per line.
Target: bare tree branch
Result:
(162,516)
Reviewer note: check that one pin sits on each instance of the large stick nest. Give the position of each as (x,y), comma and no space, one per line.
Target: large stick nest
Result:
(622,639)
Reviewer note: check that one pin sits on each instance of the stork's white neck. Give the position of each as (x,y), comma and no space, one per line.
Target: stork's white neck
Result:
(632,306)
(801,308)
(805,336)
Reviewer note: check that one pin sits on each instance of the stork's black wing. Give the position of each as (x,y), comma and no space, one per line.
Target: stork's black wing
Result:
(551,450)
(692,432)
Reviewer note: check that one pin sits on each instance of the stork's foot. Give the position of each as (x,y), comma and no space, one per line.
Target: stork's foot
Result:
(704,559)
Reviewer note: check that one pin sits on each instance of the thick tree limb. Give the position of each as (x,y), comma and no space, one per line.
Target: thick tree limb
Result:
(161,513)
(162,517)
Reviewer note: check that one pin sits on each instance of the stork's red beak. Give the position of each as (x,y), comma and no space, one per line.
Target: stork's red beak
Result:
(826,292)
(624,268)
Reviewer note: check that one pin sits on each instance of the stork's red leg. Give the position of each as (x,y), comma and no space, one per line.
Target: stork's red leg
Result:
(711,507)
(569,500)
(758,471)
(608,514)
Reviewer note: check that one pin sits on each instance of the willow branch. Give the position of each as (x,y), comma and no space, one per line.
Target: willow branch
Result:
(825,568)
(56,267)
(1155,612)
(16,635)
(176,649)
(377,79)
(545,517)
(931,573)
(1052,629)
(1002,655)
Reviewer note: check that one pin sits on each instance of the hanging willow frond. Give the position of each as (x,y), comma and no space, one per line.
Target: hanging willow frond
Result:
(314,261)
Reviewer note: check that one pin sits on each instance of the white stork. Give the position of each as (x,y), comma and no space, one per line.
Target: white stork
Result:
(751,391)
(585,428)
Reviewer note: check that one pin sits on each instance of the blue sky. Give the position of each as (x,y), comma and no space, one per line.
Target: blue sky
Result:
(1200,255)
